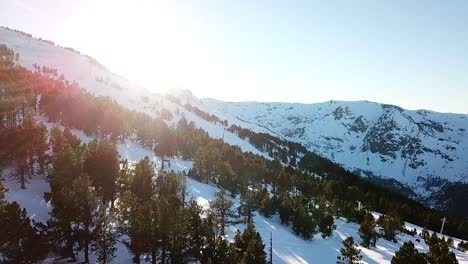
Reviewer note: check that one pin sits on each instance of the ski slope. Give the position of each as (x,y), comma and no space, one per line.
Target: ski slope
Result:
(99,81)
(287,247)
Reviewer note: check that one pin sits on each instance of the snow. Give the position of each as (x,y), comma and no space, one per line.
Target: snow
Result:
(287,247)
(315,126)
(79,68)
(271,118)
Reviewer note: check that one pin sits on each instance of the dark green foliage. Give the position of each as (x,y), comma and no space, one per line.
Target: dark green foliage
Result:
(439,252)
(248,204)
(324,220)
(142,177)
(221,208)
(463,246)
(102,165)
(303,223)
(408,254)
(84,204)
(104,239)
(19,241)
(367,231)
(249,246)
(326,225)
(267,204)
(391,224)
(349,254)
(286,209)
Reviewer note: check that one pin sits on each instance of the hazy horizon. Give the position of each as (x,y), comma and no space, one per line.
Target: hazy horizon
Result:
(414,55)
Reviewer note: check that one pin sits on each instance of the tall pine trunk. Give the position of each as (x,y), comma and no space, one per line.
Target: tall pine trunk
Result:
(86,244)
(153,255)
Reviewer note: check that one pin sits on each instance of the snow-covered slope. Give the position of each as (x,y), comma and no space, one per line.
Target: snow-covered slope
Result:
(98,80)
(420,148)
(308,124)
(287,247)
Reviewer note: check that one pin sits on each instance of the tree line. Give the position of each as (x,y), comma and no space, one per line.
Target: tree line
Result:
(306,197)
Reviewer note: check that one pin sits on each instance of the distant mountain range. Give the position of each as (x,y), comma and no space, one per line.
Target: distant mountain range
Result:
(423,154)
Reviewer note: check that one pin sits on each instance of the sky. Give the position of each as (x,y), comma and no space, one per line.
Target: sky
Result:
(411,53)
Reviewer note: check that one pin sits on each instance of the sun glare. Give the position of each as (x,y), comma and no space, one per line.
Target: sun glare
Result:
(150,44)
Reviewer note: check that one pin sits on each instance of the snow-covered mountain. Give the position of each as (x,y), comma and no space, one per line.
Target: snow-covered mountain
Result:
(409,146)
(421,151)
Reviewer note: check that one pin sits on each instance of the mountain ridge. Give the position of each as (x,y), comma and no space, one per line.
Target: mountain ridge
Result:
(414,147)
(343,126)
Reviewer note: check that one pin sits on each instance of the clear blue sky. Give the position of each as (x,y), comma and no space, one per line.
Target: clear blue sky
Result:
(412,53)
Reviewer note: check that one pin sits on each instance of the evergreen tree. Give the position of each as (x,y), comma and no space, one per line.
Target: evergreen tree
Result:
(250,247)
(104,238)
(390,224)
(367,231)
(66,168)
(408,254)
(21,172)
(102,165)
(141,183)
(303,223)
(196,230)
(267,207)
(349,252)
(134,224)
(326,225)
(85,204)
(248,204)
(285,209)
(439,252)
(40,147)
(19,241)
(221,207)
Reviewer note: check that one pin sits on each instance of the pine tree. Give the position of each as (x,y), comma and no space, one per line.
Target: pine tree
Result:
(102,165)
(367,231)
(390,224)
(40,147)
(21,172)
(20,242)
(221,207)
(66,168)
(141,184)
(271,249)
(196,231)
(248,204)
(285,209)
(85,205)
(408,254)
(303,223)
(104,239)
(223,252)
(250,247)
(266,204)
(349,252)
(439,252)
(326,225)
(134,222)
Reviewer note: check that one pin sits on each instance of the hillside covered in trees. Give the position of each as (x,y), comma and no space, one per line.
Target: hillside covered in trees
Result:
(98,199)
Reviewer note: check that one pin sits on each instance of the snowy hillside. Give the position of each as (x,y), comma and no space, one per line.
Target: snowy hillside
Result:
(287,247)
(378,139)
(423,150)
(99,81)
(420,149)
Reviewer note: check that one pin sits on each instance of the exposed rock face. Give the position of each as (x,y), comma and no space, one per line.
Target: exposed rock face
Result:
(415,148)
